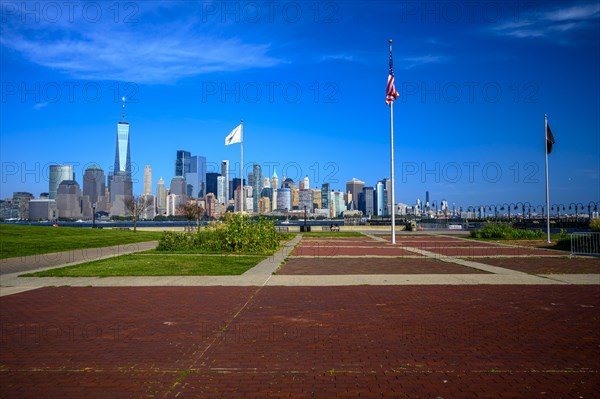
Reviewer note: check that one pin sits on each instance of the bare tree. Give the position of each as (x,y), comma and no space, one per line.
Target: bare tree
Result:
(192,211)
(136,207)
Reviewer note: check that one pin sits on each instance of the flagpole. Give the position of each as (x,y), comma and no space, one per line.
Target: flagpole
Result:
(547,190)
(243,190)
(392,172)
(392,166)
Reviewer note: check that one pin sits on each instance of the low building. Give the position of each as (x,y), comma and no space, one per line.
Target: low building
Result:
(43,209)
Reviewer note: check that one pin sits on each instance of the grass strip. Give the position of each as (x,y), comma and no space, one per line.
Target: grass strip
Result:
(159,265)
(18,240)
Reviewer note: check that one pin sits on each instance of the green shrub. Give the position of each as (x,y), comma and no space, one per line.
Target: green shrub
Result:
(498,231)
(170,241)
(563,241)
(595,225)
(238,234)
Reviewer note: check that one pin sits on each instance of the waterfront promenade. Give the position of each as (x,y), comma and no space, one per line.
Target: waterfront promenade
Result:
(435,316)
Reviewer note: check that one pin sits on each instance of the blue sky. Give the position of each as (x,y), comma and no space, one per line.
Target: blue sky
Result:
(308,78)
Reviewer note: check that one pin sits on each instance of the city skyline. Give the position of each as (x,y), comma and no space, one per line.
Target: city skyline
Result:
(469,120)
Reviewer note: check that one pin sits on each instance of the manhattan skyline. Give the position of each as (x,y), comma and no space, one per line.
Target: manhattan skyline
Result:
(469,122)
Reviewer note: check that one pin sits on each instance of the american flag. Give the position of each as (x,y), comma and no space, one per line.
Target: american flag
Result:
(391,94)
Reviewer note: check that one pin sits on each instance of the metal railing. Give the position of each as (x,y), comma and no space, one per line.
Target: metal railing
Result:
(585,244)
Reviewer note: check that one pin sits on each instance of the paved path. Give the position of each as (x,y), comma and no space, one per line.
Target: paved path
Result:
(302,342)
(486,332)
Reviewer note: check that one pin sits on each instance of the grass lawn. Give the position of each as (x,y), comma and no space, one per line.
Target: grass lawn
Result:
(157,265)
(18,240)
(333,234)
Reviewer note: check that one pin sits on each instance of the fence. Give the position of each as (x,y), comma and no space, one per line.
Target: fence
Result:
(585,244)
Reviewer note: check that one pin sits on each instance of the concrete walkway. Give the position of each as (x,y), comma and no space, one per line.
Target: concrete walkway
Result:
(268,266)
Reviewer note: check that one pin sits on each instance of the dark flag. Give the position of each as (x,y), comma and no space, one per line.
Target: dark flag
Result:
(549,139)
(390,93)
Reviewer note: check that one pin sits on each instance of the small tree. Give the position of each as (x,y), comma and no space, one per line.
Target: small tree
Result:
(136,207)
(191,211)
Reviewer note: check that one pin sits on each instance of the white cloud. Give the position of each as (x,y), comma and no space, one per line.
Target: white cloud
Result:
(411,62)
(577,12)
(552,22)
(158,53)
(338,57)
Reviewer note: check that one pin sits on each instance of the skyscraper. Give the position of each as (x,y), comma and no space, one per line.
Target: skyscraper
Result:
(193,170)
(353,189)
(211,182)
(69,201)
(94,187)
(388,206)
(123,151)
(161,196)
(368,201)
(196,177)
(58,173)
(338,205)
(379,198)
(305,199)
(147,180)
(221,189)
(120,180)
(306,182)
(225,174)
(284,199)
(325,195)
(182,163)
(257,186)
(178,186)
(275,186)
(275,180)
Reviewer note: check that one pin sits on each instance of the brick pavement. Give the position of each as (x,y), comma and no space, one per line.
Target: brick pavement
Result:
(555,265)
(435,340)
(344,266)
(369,341)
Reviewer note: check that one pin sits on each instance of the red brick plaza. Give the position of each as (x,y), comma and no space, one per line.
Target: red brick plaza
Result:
(287,340)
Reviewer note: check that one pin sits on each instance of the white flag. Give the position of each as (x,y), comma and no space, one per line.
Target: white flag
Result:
(235,136)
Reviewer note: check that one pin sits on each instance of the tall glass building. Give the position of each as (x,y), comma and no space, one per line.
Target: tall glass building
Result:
(120,183)
(122,153)
(193,169)
(222,189)
(325,195)
(182,163)
(212,183)
(380,198)
(367,201)
(58,173)
(284,199)
(196,177)
(256,185)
